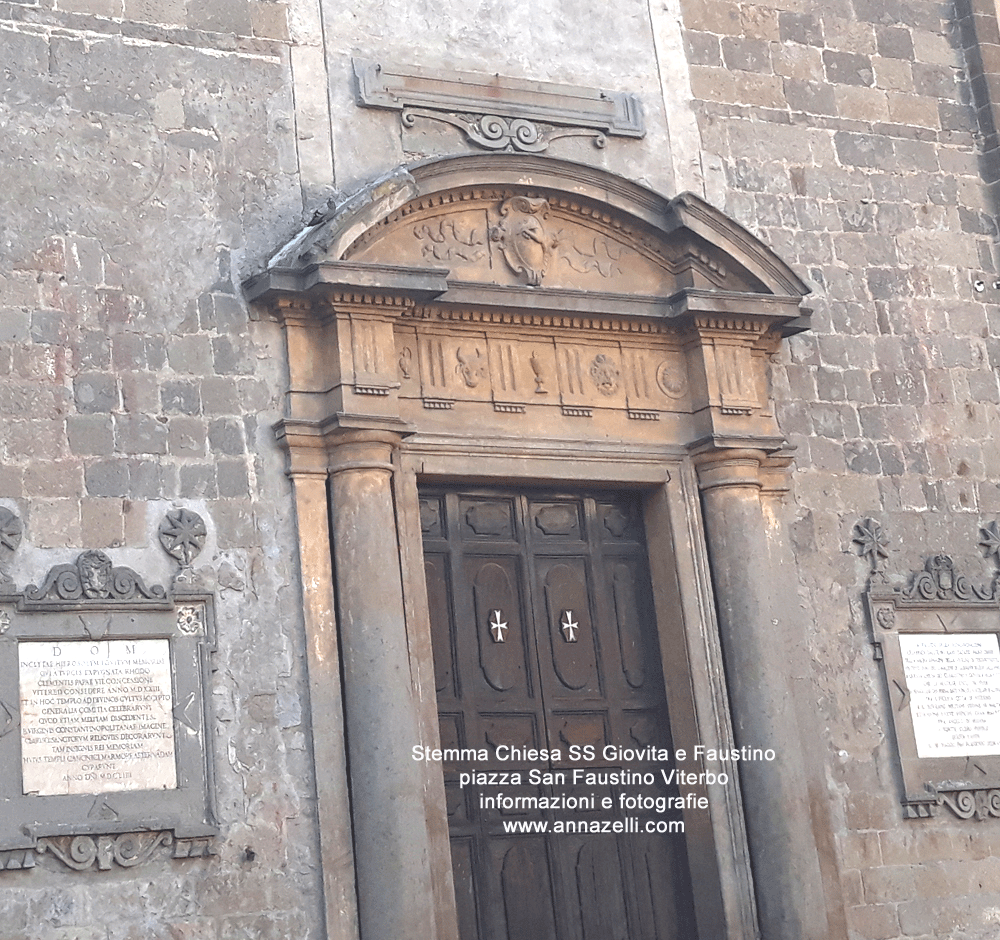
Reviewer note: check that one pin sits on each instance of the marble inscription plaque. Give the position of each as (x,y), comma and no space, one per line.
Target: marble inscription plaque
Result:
(96,717)
(954,686)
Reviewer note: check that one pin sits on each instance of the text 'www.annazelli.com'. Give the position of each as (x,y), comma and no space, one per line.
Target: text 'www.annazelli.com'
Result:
(556,826)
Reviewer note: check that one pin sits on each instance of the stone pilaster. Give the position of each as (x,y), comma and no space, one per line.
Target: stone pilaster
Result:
(752,622)
(395,896)
(307,461)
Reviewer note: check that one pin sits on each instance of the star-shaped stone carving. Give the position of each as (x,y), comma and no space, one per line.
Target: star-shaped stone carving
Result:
(10,531)
(569,626)
(872,544)
(497,626)
(182,534)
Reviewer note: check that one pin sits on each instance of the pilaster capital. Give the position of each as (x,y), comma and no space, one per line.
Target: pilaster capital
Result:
(305,446)
(342,442)
(761,468)
(362,450)
(735,467)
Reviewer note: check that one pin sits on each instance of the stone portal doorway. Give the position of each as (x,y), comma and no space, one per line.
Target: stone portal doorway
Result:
(630,347)
(545,637)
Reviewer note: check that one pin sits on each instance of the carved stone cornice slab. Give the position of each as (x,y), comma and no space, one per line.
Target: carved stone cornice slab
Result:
(496,112)
(301,292)
(546,321)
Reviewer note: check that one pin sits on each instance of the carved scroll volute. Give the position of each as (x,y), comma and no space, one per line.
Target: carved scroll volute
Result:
(501,650)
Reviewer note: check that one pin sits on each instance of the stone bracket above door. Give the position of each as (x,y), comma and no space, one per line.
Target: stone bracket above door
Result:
(495,112)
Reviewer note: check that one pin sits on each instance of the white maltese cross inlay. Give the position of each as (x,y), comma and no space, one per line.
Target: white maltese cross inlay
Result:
(569,626)
(497,627)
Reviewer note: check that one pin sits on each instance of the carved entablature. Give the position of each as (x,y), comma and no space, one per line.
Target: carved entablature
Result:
(104,733)
(516,296)
(938,638)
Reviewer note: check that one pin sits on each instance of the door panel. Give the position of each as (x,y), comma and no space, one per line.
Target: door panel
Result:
(544,636)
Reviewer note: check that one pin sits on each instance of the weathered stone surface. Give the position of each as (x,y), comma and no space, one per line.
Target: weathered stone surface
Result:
(157,152)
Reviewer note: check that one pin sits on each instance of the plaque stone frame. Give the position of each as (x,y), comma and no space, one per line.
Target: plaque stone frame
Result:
(939,602)
(89,603)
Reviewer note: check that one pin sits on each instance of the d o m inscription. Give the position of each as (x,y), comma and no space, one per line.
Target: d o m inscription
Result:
(954,685)
(96,716)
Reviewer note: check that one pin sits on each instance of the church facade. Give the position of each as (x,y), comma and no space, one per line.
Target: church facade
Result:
(499,472)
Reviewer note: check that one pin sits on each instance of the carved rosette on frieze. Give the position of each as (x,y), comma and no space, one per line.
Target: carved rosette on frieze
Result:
(937,635)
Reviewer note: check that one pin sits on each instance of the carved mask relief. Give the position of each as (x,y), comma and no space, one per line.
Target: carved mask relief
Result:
(95,574)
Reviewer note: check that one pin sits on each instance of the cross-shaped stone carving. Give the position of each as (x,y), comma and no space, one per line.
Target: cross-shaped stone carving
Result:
(569,626)
(497,627)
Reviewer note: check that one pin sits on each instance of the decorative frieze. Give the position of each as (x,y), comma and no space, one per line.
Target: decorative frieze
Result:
(493,132)
(106,852)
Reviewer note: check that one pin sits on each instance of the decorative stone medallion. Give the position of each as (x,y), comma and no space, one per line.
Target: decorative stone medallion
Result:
(524,238)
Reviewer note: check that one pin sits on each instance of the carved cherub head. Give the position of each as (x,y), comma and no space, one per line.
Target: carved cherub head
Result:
(95,574)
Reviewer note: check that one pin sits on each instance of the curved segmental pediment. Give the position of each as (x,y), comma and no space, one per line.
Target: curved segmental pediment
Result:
(516,237)
(519,221)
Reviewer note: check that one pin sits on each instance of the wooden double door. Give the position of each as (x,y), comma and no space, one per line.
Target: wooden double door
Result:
(544,637)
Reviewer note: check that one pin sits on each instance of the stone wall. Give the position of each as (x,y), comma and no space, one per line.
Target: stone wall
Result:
(143,159)
(851,147)
(156,152)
